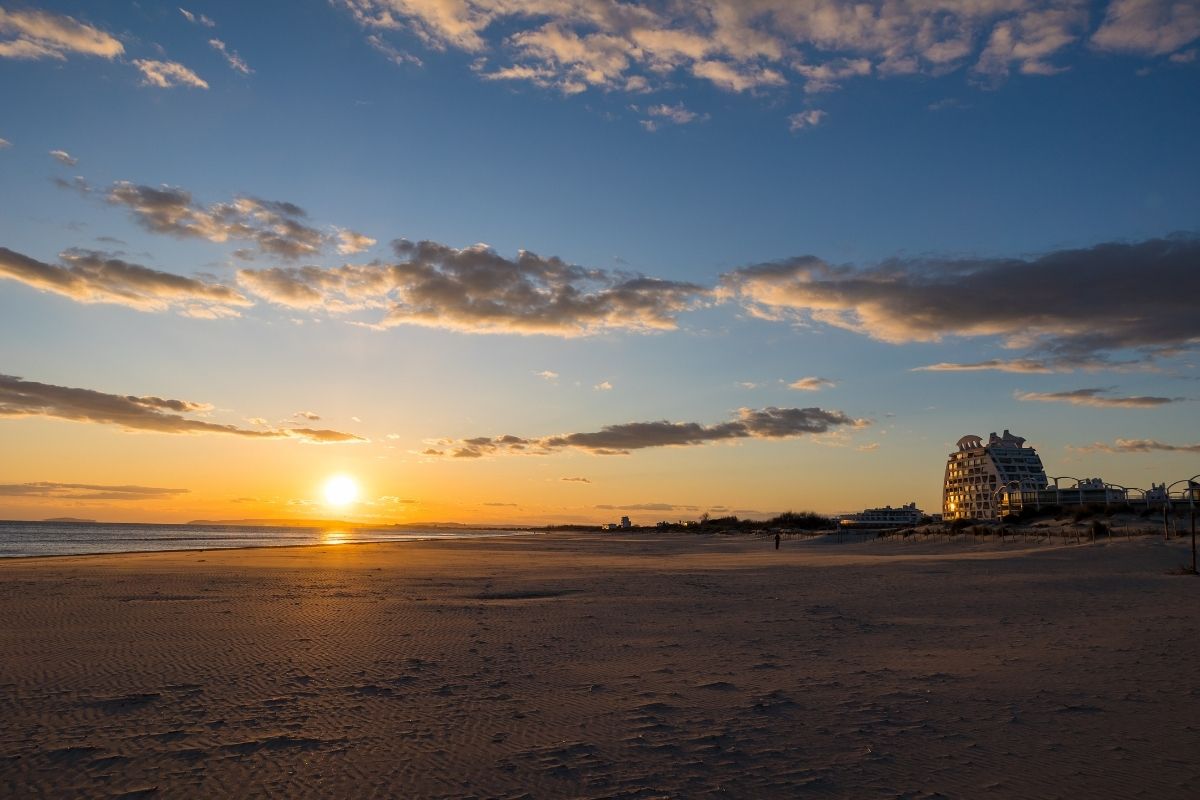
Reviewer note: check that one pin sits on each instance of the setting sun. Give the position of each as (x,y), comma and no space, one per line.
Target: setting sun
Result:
(340,490)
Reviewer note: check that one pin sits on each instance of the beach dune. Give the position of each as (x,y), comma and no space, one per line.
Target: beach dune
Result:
(603,666)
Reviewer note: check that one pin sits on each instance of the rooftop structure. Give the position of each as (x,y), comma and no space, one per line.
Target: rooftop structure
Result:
(977,471)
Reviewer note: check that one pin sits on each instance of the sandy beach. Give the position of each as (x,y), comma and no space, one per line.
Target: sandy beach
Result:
(604,666)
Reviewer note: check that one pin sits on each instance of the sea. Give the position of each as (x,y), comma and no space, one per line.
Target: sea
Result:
(25,539)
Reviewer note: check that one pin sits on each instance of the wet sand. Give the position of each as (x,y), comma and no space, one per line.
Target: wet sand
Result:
(604,666)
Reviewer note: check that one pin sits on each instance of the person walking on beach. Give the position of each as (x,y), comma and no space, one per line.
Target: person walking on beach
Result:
(777,541)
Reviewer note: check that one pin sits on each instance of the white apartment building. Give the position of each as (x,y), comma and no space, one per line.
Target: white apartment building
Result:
(976,471)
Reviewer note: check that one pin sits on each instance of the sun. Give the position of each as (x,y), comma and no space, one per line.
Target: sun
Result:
(340,490)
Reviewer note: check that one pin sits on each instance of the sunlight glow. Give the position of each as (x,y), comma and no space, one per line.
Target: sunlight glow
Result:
(340,490)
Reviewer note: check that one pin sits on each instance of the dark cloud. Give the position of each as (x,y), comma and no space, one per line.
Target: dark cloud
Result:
(1022,365)
(276,227)
(576,480)
(1070,306)
(93,277)
(1139,446)
(1098,397)
(21,398)
(477,290)
(87,491)
(767,423)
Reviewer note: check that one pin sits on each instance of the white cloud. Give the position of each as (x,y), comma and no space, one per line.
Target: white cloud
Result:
(603,386)
(811,384)
(231,57)
(40,34)
(677,114)
(5,144)
(737,45)
(805,119)
(63,157)
(197,19)
(547,375)
(1148,27)
(350,242)
(165,74)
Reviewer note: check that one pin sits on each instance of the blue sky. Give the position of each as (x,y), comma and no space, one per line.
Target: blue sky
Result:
(917,156)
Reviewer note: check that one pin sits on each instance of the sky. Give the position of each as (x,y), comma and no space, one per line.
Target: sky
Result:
(553,261)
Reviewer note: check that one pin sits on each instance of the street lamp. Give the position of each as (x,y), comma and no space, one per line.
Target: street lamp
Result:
(1007,489)
(1057,492)
(1191,498)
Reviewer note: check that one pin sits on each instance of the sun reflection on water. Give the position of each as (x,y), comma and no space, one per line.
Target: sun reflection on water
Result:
(335,537)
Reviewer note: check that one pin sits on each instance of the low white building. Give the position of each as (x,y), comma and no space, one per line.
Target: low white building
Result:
(886,517)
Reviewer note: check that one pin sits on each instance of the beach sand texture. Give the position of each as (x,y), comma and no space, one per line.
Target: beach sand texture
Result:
(604,666)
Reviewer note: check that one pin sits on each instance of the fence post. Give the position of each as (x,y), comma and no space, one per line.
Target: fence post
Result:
(1193,539)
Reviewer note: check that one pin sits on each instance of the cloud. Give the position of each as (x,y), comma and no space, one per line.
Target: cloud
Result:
(5,144)
(63,157)
(476,290)
(1148,27)
(20,398)
(603,386)
(767,423)
(276,227)
(93,277)
(665,114)
(1098,398)
(1029,40)
(234,61)
(1185,57)
(571,46)
(867,448)
(349,242)
(88,491)
(308,415)
(576,480)
(547,375)
(1075,306)
(1020,365)
(397,57)
(1138,446)
(40,34)
(197,19)
(648,507)
(825,77)
(805,119)
(812,384)
(166,74)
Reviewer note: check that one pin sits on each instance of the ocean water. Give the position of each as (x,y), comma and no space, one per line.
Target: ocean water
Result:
(24,539)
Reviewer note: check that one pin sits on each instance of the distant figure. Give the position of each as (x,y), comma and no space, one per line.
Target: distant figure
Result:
(777,541)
